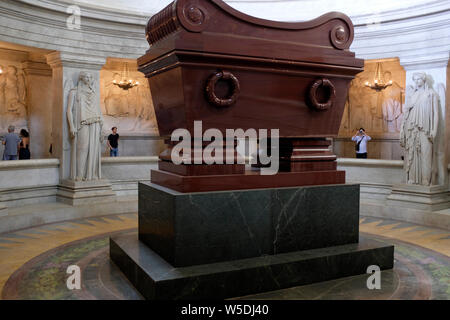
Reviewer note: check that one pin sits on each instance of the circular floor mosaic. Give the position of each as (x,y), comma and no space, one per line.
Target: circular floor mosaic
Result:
(418,273)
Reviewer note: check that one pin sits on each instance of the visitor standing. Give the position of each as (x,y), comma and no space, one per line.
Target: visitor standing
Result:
(11,142)
(361,139)
(24,147)
(113,143)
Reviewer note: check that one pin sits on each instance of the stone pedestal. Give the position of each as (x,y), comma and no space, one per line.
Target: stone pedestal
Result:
(422,198)
(85,192)
(230,243)
(196,228)
(155,278)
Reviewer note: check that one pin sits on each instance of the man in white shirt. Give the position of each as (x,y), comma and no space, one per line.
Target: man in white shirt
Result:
(361,139)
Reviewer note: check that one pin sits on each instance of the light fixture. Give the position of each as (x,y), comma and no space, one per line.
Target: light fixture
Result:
(378,82)
(126,83)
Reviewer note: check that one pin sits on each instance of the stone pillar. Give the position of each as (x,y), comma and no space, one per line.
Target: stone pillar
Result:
(39,103)
(66,68)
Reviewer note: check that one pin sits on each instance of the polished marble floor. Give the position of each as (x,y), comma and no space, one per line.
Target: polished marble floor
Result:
(33,263)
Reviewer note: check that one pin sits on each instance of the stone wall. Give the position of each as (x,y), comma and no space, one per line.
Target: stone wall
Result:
(28,191)
(131,111)
(33,85)
(413,35)
(380,113)
(28,182)
(25,97)
(377,148)
(137,146)
(36,181)
(125,172)
(25,182)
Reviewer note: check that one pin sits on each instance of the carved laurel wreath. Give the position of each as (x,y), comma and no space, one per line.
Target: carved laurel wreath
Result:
(313,94)
(211,88)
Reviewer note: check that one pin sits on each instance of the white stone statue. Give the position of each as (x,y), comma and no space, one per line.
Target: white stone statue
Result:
(85,126)
(422,133)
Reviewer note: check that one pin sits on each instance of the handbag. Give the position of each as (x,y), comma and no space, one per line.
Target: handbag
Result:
(357,145)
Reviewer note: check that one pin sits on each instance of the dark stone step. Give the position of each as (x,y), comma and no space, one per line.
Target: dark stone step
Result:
(155,278)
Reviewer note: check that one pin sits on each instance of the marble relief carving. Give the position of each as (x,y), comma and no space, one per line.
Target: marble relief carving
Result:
(13,108)
(380,113)
(85,126)
(392,107)
(129,110)
(423,133)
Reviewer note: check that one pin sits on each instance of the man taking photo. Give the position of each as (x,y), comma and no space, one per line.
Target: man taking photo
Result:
(361,139)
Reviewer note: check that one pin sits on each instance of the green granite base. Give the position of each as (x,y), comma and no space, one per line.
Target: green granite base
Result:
(156,279)
(188,229)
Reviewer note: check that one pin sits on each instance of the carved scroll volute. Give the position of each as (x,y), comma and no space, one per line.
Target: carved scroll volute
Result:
(211,89)
(162,24)
(193,16)
(322,94)
(341,35)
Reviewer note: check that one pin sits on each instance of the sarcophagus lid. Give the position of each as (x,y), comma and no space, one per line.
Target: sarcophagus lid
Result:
(210,62)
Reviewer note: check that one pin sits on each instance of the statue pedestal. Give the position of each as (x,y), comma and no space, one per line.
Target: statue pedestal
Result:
(85,192)
(417,197)
(233,243)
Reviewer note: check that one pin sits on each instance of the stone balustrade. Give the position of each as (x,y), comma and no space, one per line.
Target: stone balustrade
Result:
(26,183)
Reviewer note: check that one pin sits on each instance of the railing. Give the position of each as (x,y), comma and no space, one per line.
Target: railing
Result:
(29,164)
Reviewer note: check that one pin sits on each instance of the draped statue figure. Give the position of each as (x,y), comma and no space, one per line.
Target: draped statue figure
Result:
(85,125)
(422,133)
(392,114)
(13,110)
(392,105)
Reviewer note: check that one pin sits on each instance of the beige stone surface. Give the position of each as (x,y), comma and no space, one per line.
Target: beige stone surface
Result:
(386,148)
(28,173)
(371,109)
(418,197)
(372,171)
(39,101)
(384,194)
(136,145)
(131,111)
(92,192)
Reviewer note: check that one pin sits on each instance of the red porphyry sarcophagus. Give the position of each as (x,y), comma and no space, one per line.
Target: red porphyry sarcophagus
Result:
(210,62)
